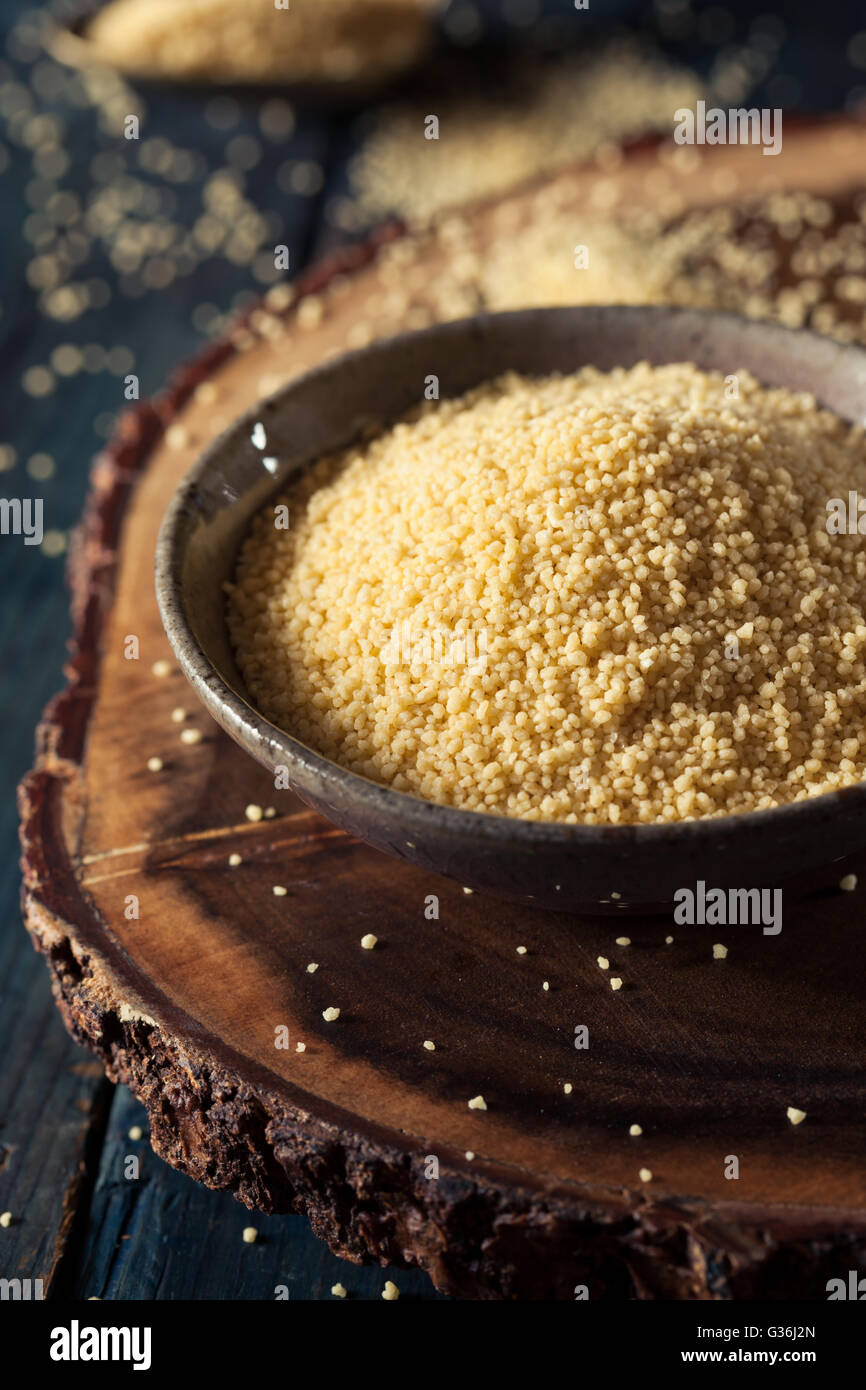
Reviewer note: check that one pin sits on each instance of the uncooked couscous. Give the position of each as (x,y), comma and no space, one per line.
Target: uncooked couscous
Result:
(596,598)
(260,40)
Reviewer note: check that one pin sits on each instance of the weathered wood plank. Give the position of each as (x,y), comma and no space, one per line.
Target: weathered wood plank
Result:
(53,1106)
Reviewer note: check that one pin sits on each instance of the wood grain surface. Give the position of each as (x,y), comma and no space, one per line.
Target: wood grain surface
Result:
(365,1130)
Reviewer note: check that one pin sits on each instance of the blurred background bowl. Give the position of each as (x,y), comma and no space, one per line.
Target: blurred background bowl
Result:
(319,50)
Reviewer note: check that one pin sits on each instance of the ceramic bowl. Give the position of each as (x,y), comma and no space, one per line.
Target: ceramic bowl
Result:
(571,868)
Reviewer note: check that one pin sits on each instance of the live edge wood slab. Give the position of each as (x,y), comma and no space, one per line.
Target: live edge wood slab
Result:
(184,974)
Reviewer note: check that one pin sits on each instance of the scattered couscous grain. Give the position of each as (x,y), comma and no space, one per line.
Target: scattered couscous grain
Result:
(161,668)
(390,1291)
(154,764)
(795,1116)
(430,1045)
(279,891)
(603,963)
(848,883)
(235,860)
(720,952)
(635,1131)
(5,1219)
(645,1175)
(253,813)
(190,736)
(615,982)
(626,575)
(330,1015)
(623,941)
(338,1290)
(369,941)
(135,1133)
(250,1235)
(477,1103)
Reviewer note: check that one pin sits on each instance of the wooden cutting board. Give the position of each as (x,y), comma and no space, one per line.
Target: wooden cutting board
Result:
(189,976)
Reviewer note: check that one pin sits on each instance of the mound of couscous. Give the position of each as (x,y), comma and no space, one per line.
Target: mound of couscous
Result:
(600,598)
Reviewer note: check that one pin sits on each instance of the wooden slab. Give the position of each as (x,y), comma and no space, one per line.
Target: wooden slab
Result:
(365,1130)
(164,1237)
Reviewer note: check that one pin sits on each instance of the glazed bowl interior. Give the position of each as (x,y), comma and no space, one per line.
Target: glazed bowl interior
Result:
(570,868)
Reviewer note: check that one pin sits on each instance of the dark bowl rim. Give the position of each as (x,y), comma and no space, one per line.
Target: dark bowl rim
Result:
(416,814)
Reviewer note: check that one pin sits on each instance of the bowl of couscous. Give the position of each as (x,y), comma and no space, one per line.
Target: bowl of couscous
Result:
(568,605)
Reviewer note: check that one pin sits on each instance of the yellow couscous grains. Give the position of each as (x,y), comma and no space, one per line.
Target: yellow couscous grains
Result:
(599,598)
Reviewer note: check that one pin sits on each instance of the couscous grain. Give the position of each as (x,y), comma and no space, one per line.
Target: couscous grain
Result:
(599,598)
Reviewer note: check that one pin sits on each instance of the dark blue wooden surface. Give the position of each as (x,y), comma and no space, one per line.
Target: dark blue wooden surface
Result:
(78,1222)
